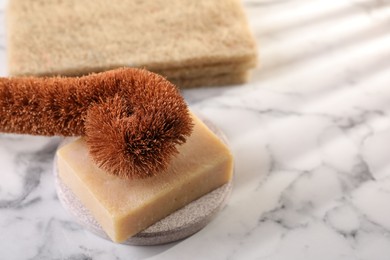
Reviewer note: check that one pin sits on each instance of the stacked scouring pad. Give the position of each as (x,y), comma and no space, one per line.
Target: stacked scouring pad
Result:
(192,43)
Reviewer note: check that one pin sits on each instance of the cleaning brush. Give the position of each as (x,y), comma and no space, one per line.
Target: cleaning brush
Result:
(132,119)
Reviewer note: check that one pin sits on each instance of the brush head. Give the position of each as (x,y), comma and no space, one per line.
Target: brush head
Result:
(132,119)
(139,140)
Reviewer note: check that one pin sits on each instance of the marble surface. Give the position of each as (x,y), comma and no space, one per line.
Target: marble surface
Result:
(310,134)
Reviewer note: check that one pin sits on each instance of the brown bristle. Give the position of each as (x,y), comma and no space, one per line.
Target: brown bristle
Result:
(132,119)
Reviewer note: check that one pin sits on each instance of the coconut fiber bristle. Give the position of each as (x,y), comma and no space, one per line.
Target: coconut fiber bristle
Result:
(132,119)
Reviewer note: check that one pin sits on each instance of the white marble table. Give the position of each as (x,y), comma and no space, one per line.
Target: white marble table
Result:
(311,138)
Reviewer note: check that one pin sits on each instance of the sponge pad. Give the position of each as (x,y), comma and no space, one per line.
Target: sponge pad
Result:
(204,40)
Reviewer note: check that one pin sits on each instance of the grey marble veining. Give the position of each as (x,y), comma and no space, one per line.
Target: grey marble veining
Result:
(310,134)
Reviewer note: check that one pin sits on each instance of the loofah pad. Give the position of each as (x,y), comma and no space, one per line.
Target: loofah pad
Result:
(180,39)
(218,80)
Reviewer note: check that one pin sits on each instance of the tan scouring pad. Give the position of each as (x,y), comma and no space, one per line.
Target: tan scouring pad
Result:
(192,43)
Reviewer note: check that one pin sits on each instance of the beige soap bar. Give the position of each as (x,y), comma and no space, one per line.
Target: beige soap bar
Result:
(126,207)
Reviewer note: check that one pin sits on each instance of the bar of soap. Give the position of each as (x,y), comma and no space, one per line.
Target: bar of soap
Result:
(125,207)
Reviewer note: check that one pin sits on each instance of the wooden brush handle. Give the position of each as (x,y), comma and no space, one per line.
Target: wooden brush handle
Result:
(132,119)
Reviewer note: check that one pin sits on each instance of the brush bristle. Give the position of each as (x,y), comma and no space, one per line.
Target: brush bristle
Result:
(132,119)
